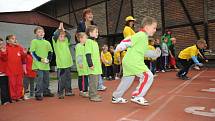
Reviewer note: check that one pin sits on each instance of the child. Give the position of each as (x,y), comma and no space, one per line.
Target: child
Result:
(165,55)
(81,63)
(41,52)
(15,63)
(158,61)
(188,57)
(29,76)
(106,58)
(61,43)
(137,46)
(117,63)
(93,61)
(5,96)
(172,50)
(150,62)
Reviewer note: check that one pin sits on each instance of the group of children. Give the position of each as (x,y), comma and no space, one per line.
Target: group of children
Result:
(138,56)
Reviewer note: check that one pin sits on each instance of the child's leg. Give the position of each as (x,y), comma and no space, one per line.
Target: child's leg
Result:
(39,83)
(93,82)
(86,83)
(12,87)
(80,82)
(68,78)
(145,82)
(46,90)
(32,86)
(19,86)
(5,96)
(186,65)
(100,82)
(125,83)
(26,83)
(61,81)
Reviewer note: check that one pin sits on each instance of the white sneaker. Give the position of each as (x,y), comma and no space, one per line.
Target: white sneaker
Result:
(162,71)
(102,88)
(117,78)
(26,97)
(139,100)
(196,67)
(119,100)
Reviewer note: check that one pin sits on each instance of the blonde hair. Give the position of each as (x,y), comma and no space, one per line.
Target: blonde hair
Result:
(90,28)
(80,35)
(148,21)
(201,41)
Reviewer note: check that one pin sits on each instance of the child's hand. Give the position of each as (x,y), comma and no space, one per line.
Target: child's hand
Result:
(45,60)
(81,66)
(199,64)
(3,49)
(92,68)
(206,61)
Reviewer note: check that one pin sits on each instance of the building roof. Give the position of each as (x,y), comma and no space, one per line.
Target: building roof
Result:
(31,18)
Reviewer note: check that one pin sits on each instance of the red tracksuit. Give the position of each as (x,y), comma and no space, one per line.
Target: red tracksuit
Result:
(30,72)
(15,60)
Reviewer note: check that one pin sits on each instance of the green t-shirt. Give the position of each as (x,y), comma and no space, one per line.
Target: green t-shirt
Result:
(41,48)
(80,52)
(63,54)
(133,62)
(91,47)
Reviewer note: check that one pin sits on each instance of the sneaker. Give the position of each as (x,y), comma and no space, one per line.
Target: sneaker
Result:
(139,100)
(196,67)
(39,98)
(26,97)
(84,94)
(162,71)
(117,78)
(48,95)
(185,78)
(102,88)
(6,103)
(60,97)
(69,94)
(155,75)
(179,76)
(96,99)
(119,100)
(146,101)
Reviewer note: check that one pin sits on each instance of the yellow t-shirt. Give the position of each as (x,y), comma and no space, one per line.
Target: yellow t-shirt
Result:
(128,31)
(117,60)
(123,54)
(150,47)
(188,52)
(107,57)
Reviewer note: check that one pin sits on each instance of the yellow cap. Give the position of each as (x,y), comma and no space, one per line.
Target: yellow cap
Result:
(130,18)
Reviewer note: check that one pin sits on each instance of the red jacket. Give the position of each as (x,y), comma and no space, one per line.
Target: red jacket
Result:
(15,59)
(29,61)
(3,62)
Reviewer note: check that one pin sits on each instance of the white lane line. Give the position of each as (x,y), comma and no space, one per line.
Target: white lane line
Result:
(196,97)
(157,99)
(150,117)
(127,119)
(189,81)
(159,109)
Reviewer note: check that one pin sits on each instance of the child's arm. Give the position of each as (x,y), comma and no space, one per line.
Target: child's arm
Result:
(124,44)
(56,35)
(153,53)
(80,61)
(195,60)
(3,54)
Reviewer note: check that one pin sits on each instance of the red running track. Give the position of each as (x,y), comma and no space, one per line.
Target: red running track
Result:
(169,97)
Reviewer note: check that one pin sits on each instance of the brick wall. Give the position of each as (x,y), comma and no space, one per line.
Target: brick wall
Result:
(174,15)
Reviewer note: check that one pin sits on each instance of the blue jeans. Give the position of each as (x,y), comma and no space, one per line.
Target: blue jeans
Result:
(100,83)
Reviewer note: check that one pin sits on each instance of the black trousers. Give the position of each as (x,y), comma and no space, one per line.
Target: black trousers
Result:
(186,66)
(4,86)
(83,83)
(109,71)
